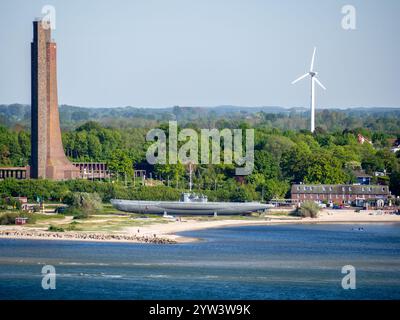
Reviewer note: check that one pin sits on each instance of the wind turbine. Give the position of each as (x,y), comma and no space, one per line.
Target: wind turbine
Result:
(314,79)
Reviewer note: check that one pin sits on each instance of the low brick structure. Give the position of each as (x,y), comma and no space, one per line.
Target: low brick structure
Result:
(18,173)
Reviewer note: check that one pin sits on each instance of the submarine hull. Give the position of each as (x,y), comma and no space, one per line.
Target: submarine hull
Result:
(188,209)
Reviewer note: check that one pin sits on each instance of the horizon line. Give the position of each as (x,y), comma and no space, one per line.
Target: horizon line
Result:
(212,106)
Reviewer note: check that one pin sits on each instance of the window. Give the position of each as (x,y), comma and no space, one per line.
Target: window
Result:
(298,188)
(323,188)
(383,189)
(330,188)
(349,188)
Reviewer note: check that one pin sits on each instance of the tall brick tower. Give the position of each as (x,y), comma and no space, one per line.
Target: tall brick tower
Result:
(48,159)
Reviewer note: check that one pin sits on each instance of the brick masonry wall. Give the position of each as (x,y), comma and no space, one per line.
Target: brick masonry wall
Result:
(47,158)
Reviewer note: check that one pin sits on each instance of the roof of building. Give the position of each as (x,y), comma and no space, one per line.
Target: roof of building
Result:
(340,189)
(361,173)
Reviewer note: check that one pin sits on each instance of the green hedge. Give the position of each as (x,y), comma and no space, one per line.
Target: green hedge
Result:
(61,191)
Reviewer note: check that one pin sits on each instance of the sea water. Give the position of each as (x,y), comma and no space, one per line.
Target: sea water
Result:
(252,262)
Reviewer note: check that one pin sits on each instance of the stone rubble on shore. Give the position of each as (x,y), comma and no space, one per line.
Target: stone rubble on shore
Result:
(83,236)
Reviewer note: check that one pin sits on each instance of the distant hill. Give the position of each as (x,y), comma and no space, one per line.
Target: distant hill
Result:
(274,116)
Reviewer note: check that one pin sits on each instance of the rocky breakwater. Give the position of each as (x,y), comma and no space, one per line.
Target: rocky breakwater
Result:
(84,236)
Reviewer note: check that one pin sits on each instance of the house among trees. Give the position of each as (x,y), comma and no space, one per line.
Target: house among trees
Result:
(395,146)
(361,139)
(362,178)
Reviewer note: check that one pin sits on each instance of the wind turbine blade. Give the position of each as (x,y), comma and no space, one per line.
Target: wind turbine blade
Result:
(301,78)
(319,83)
(312,60)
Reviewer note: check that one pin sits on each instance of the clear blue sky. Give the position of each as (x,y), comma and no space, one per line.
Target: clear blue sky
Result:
(207,52)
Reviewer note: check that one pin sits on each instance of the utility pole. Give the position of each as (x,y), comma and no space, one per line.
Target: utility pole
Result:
(190,177)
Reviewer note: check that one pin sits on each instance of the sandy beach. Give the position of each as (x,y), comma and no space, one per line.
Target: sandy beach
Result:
(166,233)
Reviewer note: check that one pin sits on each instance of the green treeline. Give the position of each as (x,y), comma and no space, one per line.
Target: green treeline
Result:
(282,157)
(38,190)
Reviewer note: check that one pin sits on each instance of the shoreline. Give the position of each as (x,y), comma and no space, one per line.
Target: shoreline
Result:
(24,234)
(168,233)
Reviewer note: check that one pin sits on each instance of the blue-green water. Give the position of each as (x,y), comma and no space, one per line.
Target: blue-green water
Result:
(257,262)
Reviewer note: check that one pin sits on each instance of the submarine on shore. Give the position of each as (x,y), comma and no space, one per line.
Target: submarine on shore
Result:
(189,204)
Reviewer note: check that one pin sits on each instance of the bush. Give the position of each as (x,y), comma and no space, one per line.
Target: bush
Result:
(309,209)
(8,203)
(76,213)
(73,226)
(55,229)
(8,218)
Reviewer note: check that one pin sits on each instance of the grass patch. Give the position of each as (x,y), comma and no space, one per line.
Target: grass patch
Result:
(116,223)
(43,217)
(281,213)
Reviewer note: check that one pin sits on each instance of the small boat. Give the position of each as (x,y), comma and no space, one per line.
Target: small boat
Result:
(189,204)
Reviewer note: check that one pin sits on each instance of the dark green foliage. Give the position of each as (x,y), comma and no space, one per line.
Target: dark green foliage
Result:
(284,151)
(9,203)
(8,218)
(55,229)
(77,213)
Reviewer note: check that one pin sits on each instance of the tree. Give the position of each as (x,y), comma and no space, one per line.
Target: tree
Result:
(275,189)
(294,163)
(94,147)
(324,169)
(120,163)
(265,164)
(395,183)
(83,204)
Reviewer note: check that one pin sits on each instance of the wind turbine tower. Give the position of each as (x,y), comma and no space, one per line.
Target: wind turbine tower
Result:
(314,80)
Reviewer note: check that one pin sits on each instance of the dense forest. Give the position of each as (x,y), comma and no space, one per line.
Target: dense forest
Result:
(284,151)
(385,120)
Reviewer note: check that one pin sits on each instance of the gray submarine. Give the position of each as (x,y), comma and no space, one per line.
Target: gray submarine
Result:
(189,204)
